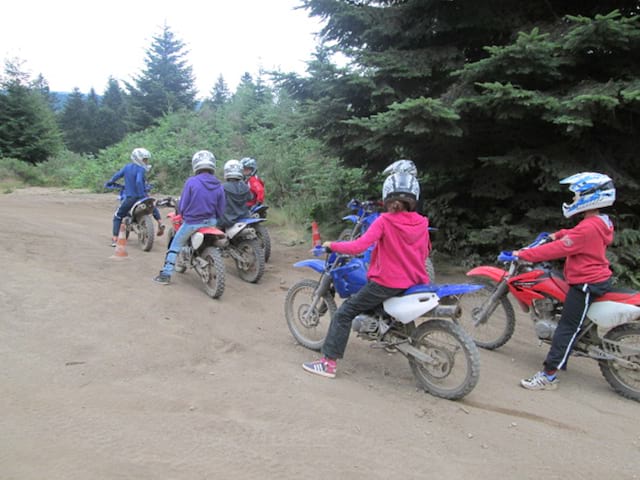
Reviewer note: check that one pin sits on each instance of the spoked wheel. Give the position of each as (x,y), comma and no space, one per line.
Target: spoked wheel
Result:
(455,368)
(263,235)
(251,265)
(213,277)
(623,375)
(308,325)
(145,233)
(431,271)
(346,235)
(500,322)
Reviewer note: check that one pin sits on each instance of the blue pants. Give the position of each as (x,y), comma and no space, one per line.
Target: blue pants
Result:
(180,240)
(369,297)
(123,211)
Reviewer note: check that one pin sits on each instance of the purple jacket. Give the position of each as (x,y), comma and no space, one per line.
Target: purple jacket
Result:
(202,198)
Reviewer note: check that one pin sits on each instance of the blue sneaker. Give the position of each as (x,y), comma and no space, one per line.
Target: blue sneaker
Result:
(323,367)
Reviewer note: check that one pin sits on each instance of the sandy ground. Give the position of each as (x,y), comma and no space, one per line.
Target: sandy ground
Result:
(106,375)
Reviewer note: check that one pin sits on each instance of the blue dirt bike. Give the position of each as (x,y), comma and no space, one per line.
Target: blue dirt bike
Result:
(364,214)
(140,216)
(259,210)
(418,323)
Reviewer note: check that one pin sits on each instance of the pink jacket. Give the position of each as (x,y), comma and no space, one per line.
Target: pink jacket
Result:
(402,246)
(585,247)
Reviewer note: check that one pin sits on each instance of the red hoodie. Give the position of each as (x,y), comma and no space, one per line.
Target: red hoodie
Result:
(403,244)
(585,247)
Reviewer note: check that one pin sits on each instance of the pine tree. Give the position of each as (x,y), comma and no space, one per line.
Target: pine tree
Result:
(28,130)
(166,85)
(509,95)
(112,115)
(220,93)
(74,121)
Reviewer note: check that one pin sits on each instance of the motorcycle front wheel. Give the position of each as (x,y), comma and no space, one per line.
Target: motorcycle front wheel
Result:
(623,376)
(500,323)
(251,264)
(145,232)
(308,325)
(213,276)
(456,367)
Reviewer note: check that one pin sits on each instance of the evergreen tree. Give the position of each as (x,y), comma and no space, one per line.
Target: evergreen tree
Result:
(166,84)
(28,130)
(112,126)
(74,122)
(220,93)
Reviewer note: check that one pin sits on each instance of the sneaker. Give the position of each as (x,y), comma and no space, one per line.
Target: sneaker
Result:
(163,279)
(160,230)
(114,241)
(323,367)
(539,381)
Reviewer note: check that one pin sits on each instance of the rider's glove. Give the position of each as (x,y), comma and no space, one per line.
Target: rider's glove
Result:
(507,256)
(541,238)
(318,251)
(108,185)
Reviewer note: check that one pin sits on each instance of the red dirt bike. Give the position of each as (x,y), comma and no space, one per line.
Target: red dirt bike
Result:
(610,333)
(202,252)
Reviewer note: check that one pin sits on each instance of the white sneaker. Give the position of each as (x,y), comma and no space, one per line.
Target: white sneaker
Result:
(539,382)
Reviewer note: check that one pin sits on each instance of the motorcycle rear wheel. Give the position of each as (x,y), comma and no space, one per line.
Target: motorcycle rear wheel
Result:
(263,235)
(145,233)
(458,368)
(251,267)
(309,332)
(624,380)
(214,280)
(499,326)
(431,271)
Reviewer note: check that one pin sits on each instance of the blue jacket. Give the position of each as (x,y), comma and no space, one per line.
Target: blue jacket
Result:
(134,185)
(202,198)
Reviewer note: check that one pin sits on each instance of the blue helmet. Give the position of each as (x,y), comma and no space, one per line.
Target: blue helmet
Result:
(592,191)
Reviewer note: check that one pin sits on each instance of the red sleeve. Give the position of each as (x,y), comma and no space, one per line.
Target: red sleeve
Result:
(257,188)
(570,243)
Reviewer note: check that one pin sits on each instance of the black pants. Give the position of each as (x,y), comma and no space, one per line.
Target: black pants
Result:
(369,297)
(574,311)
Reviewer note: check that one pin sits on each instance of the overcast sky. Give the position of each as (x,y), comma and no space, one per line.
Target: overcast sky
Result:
(75,43)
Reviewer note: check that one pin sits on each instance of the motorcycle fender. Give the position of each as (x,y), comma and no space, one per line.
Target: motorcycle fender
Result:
(409,307)
(236,228)
(493,273)
(313,264)
(351,218)
(611,314)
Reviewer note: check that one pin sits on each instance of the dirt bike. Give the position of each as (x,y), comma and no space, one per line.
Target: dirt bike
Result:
(139,219)
(238,242)
(610,333)
(365,213)
(259,210)
(442,356)
(202,252)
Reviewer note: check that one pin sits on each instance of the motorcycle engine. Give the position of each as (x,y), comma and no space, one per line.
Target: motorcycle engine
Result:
(365,324)
(545,318)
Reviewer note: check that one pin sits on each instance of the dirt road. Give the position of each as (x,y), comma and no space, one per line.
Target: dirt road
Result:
(106,375)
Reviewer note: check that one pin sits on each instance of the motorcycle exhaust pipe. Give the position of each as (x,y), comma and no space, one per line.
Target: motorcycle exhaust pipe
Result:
(448,311)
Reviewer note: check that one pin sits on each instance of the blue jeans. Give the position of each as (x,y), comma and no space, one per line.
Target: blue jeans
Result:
(180,240)
(369,297)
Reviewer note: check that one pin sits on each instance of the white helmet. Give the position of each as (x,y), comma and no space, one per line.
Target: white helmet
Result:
(401,186)
(139,155)
(402,166)
(203,160)
(592,190)
(233,170)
